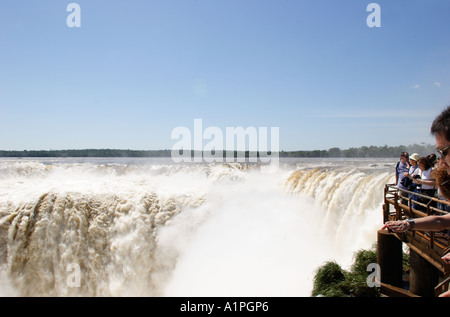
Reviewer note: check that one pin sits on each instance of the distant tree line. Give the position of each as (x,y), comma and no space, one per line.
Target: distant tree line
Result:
(364,151)
(86,153)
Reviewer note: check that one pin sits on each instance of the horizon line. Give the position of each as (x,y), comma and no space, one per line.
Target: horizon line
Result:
(224,150)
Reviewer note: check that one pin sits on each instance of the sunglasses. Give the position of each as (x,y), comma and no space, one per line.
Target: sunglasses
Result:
(443,152)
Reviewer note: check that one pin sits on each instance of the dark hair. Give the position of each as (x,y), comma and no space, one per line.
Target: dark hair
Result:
(425,161)
(442,124)
(432,158)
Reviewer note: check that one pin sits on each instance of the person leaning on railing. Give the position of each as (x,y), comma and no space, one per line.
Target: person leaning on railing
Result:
(426,182)
(401,169)
(441,131)
(413,173)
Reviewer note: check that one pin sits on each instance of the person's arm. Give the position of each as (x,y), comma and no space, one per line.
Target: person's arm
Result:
(430,223)
(430,182)
(426,179)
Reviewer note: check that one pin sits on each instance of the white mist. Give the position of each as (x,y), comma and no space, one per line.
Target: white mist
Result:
(155,229)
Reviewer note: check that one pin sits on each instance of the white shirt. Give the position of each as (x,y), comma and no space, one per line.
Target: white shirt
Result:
(414,172)
(426,175)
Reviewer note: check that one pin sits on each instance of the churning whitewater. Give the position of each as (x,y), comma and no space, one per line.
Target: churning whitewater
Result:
(149,227)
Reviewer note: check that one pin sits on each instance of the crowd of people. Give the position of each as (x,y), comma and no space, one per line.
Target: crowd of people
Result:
(415,174)
(434,179)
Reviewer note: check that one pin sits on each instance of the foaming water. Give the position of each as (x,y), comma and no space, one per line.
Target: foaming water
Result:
(148,227)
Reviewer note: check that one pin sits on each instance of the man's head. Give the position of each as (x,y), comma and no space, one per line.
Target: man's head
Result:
(441,131)
(404,157)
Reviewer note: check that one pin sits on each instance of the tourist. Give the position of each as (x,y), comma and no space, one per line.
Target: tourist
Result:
(412,173)
(401,168)
(426,182)
(433,159)
(413,159)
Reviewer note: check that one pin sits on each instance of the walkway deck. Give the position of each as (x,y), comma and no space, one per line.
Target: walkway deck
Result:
(431,246)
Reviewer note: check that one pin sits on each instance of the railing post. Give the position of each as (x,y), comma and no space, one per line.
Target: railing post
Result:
(385,213)
(386,205)
(390,258)
(442,287)
(396,206)
(410,207)
(423,275)
(428,208)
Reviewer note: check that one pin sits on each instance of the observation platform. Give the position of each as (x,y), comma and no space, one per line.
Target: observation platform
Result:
(429,275)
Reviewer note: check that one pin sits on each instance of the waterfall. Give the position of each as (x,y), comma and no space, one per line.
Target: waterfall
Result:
(152,228)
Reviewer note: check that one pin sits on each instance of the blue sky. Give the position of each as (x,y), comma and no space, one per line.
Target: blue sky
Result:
(137,69)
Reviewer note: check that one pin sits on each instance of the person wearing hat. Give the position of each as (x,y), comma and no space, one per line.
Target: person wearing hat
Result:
(414,157)
(413,169)
(412,173)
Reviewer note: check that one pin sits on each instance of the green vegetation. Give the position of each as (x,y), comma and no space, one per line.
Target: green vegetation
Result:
(365,151)
(371,151)
(86,153)
(333,281)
